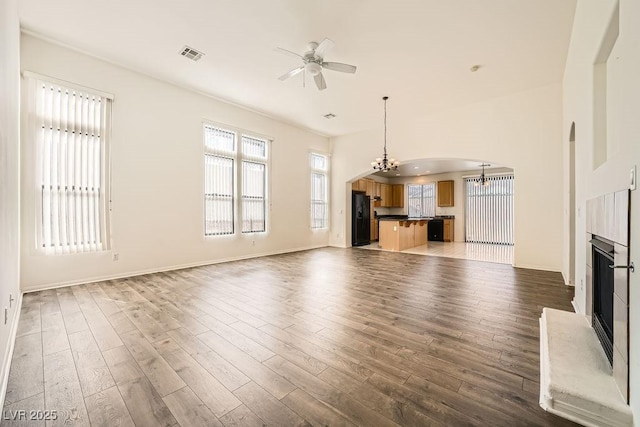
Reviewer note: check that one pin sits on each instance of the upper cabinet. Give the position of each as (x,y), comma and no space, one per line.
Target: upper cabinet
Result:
(382,195)
(397,195)
(445,193)
(377,193)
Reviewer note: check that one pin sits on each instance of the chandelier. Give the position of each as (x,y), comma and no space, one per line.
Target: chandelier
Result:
(384,164)
(483,179)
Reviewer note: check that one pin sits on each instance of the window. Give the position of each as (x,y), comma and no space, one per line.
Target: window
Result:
(219,161)
(221,155)
(489,210)
(422,200)
(319,164)
(70,129)
(254,184)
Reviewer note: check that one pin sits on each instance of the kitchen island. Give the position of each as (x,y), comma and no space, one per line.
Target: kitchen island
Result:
(400,234)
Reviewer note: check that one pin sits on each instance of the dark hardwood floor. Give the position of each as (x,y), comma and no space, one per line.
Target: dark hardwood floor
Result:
(323,337)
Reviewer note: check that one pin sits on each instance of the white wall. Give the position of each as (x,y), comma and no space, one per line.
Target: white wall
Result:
(9,177)
(157,172)
(591,21)
(522,130)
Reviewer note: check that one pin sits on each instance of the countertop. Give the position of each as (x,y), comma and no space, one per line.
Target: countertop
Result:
(406,218)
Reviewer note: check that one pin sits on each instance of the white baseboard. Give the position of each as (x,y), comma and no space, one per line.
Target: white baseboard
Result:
(8,355)
(161,269)
(538,267)
(577,308)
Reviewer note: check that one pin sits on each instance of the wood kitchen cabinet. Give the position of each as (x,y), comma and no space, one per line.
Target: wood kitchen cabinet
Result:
(370,189)
(377,193)
(374,230)
(397,195)
(386,195)
(445,193)
(391,195)
(447,233)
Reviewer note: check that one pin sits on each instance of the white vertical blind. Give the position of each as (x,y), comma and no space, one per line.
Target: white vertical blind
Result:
(71,137)
(319,191)
(219,162)
(422,200)
(489,210)
(254,184)
(234,192)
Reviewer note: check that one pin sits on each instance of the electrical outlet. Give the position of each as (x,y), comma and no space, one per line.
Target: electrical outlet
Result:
(115,256)
(581,284)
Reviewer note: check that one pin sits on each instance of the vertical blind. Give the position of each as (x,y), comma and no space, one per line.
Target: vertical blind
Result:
(254,184)
(422,200)
(219,200)
(319,191)
(221,154)
(489,210)
(70,129)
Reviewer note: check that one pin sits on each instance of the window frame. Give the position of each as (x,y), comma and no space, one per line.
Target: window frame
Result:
(239,157)
(421,198)
(326,173)
(34,155)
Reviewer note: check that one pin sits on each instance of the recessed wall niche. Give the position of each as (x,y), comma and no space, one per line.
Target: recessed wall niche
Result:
(603,72)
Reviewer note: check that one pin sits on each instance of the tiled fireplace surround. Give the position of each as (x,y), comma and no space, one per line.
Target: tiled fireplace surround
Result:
(608,218)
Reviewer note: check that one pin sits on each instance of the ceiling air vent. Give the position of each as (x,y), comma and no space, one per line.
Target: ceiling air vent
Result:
(191,53)
(329,116)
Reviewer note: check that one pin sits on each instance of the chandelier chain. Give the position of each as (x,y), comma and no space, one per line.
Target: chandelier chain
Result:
(385,164)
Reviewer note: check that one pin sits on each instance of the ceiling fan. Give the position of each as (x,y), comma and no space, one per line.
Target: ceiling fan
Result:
(313,63)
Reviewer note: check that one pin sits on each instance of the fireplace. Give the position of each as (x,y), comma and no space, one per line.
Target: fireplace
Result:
(608,267)
(603,289)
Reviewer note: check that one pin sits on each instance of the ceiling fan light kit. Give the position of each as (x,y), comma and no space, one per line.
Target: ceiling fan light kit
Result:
(384,164)
(313,63)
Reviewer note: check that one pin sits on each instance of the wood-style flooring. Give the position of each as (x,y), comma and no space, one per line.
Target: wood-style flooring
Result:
(323,337)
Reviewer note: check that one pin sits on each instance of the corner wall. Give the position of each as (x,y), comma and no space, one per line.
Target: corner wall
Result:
(522,130)
(9,180)
(157,177)
(623,145)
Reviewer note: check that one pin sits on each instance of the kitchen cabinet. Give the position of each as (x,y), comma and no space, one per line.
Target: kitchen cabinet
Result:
(377,193)
(447,233)
(387,195)
(397,195)
(445,193)
(370,189)
(390,195)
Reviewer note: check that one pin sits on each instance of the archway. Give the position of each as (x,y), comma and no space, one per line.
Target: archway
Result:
(477,219)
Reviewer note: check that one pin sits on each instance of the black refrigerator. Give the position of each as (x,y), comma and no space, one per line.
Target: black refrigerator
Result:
(360,224)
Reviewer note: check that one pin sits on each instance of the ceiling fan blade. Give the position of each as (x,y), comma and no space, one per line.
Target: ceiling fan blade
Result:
(287,52)
(338,66)
(319,78)
(323,48)
(290,73)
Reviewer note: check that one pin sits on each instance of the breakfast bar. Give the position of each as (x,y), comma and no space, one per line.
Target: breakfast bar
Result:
(401,234)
